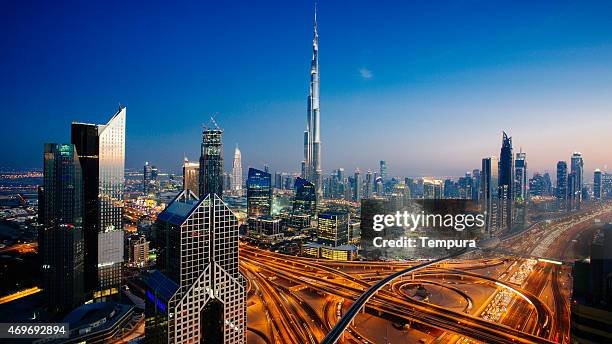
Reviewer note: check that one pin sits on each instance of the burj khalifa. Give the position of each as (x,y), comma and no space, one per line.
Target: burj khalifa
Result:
(311,165)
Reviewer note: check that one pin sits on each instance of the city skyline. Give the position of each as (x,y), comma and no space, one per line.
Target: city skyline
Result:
(385,88)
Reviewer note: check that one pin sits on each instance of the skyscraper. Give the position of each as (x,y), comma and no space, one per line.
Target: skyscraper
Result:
(357,186)
(577,167)
(561,180)
(369,184)
(383,171)
(489,189)
(101,150)
(597,186)
(191,176)
(60,237)
(333,228)
(259,193)
(305,200)
(199,296)
(506,183)
(236,176)
(211,162)
(146,177)
(520,176)
(311,166)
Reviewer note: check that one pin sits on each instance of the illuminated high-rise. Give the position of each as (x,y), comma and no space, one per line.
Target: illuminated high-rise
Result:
(211,162)
(236,176)
(357,186)
(60,236)
(101,150)
(305,200)
(520,176)
(259,193)
(191,176)
(505,186)
(577,168)
(198,295)
(333,228)
(311,165)
(146,177)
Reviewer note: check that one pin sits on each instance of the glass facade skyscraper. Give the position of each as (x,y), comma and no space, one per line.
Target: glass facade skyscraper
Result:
(506,184)
(489,189)
(577,168)
(597,185)
(333,228)
(561,190)
(60,237)
(520,175)
(211,162)
(101,150)
(200,296)
(191,176)
(305,200)
(259,193)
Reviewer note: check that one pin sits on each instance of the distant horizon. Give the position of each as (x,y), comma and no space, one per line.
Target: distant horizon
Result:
(426,87)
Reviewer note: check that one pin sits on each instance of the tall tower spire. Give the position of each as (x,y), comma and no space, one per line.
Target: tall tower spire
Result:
(311,165)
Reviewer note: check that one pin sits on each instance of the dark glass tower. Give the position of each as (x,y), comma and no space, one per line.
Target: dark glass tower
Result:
(60,237)
(211,162)
(305,200)
(101,150)
(489,199)
(561,191)
(597,187)
(506,183)
(259,193)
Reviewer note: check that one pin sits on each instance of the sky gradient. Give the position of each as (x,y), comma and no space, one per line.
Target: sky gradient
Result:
(429,87)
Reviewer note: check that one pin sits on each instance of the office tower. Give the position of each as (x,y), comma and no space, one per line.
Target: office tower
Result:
(561,180)
(305,200)
(538,185)
(520,176)
(547,184)
(101,151)
(577,168)
(259,193)
(236,176)
(357,184)
(211,162)
(278,180)
(191,176)
(154,174)
(572,191)
(506,183)
(464,186)
(383,171)
(333,228)
(146,177)
(476,185)
(137,250)
(311,166)
(60,237)
(451,189)
(606,185)
(369,184)
(198,294)
(597,186)
(489,189)
(432,189)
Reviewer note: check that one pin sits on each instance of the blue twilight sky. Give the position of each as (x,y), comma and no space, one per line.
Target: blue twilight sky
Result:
(427,86)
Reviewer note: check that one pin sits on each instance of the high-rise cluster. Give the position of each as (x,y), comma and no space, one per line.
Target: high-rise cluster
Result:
(81,214)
